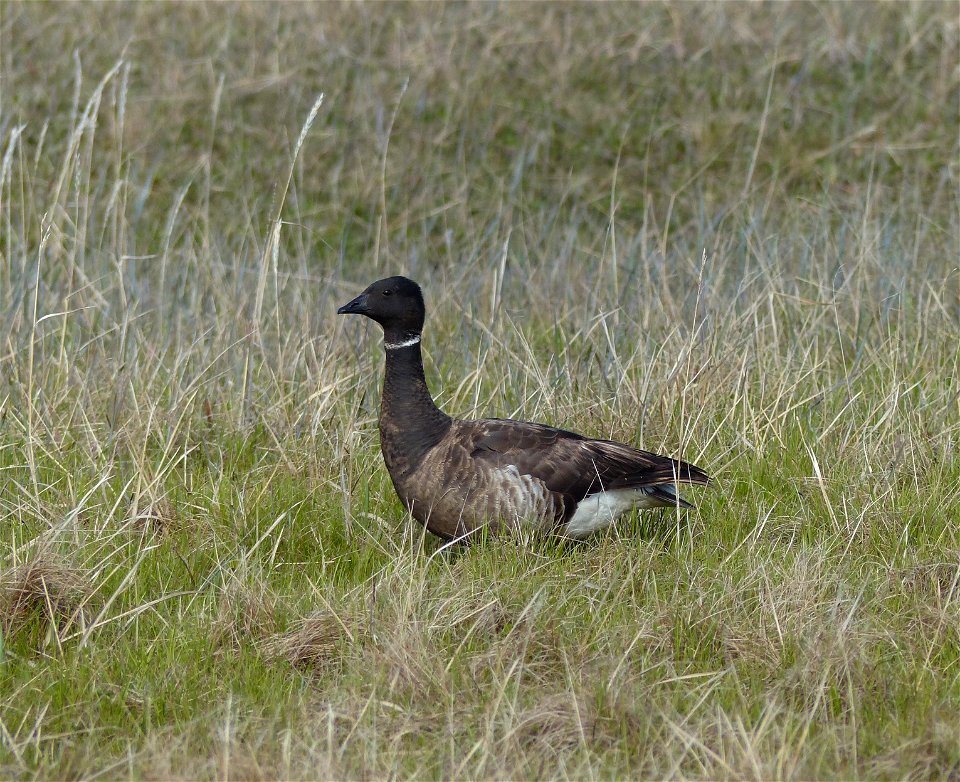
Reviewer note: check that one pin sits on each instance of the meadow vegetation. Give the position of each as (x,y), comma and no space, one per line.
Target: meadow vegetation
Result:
(727,232)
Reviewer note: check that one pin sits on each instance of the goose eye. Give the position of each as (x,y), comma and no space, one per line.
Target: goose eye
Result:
(386,292)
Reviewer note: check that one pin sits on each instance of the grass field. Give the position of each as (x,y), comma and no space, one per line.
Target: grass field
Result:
(724,232)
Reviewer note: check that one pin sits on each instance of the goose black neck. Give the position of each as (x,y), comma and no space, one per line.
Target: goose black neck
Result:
(406,398)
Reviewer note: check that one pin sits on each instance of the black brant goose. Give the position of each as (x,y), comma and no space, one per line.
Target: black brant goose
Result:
(456,476)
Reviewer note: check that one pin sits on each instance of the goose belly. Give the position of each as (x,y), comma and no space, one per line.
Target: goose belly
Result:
(601,509)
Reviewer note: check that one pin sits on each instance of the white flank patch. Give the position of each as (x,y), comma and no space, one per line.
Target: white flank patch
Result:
(521,497)
(601,509)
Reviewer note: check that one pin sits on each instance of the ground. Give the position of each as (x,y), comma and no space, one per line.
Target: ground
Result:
(724,232)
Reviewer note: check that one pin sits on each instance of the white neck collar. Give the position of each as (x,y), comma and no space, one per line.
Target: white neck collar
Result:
(405,344)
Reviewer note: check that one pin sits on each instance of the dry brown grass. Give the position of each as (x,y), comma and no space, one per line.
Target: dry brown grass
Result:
(247,614)
(315,643)
(44,591)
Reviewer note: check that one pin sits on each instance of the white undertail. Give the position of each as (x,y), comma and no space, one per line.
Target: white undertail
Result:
(602,509)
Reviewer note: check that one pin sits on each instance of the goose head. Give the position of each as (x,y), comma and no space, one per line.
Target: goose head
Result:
(396,303)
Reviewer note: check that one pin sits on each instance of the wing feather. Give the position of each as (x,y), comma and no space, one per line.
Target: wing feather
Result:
(570,464)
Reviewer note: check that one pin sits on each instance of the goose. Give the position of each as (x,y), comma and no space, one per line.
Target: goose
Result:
(456,476)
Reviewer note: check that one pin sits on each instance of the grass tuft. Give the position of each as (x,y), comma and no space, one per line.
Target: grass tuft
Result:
(44,591)
(314,644)
(157,517)
(247,614)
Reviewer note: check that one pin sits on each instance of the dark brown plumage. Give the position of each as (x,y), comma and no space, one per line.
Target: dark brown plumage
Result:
(456,476)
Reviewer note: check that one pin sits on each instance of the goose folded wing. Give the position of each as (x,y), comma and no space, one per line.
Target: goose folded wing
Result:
(571,464)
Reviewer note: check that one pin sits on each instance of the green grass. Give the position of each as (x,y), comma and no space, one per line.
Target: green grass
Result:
(724,232)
